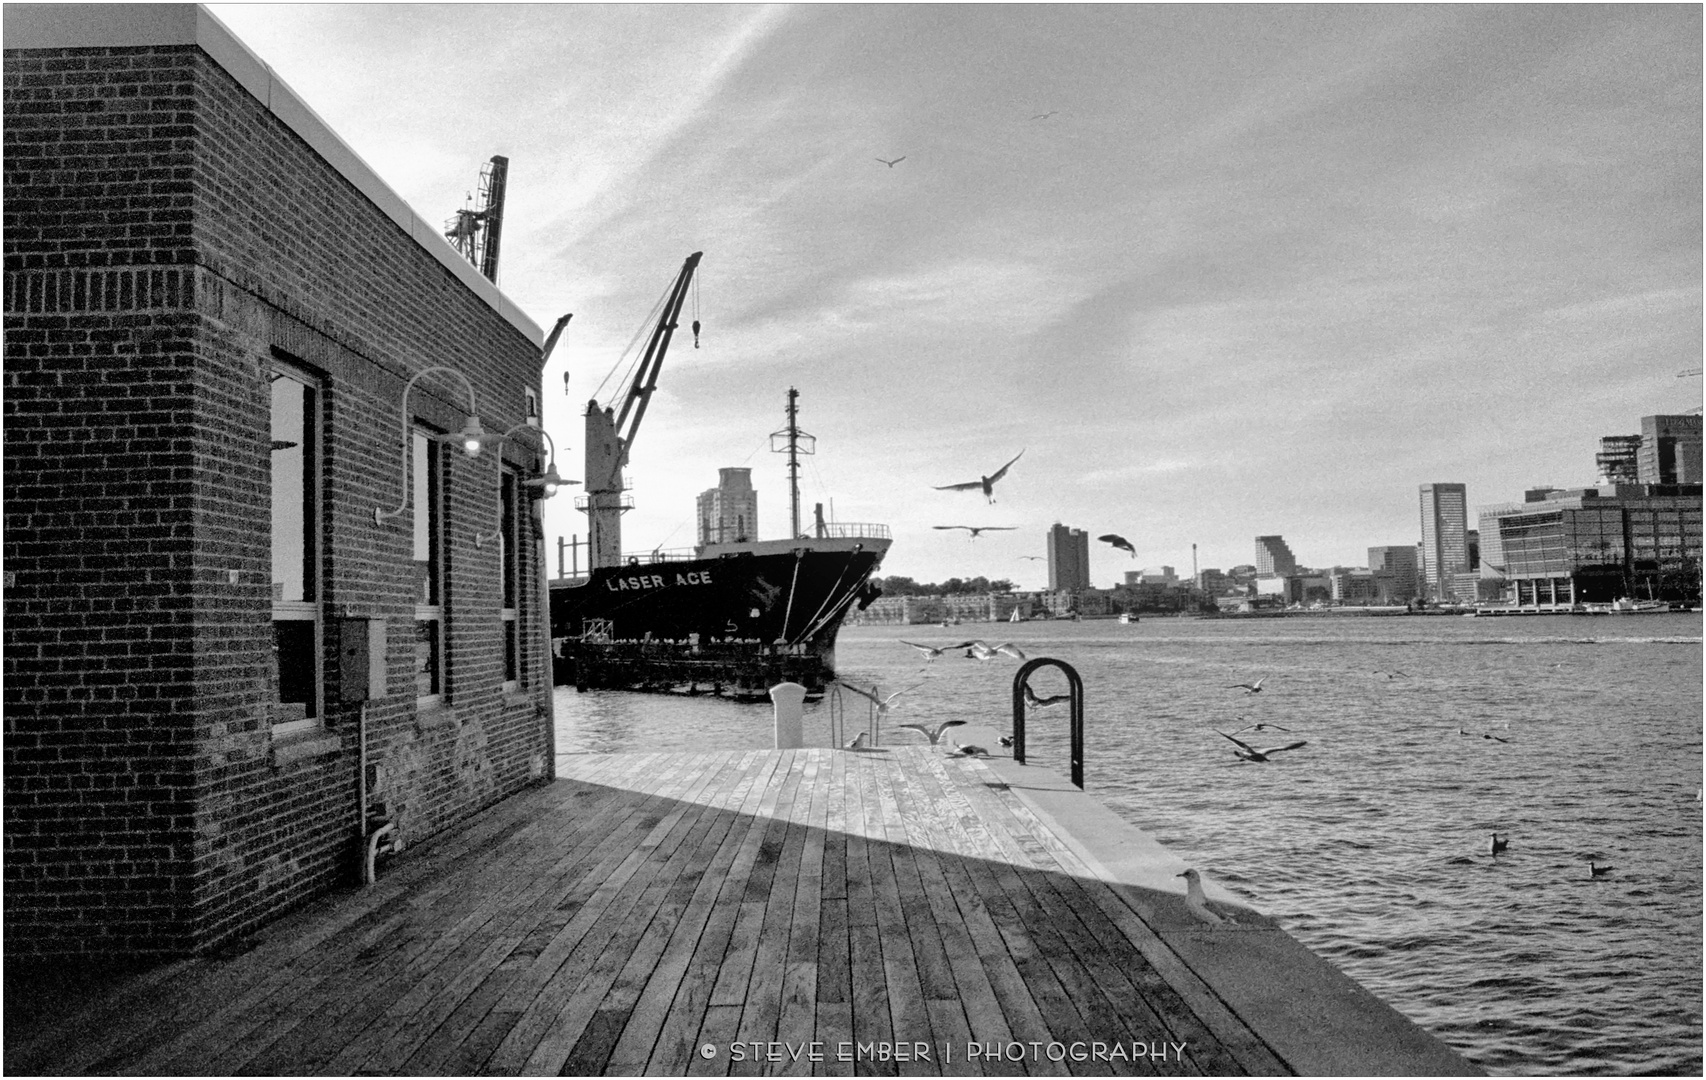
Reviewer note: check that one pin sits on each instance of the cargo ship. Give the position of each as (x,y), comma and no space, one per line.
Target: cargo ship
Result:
(734,616)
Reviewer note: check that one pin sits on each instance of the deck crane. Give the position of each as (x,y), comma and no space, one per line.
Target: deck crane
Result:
(610,434)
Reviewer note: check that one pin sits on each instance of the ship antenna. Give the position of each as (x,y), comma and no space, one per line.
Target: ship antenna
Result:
(795,443)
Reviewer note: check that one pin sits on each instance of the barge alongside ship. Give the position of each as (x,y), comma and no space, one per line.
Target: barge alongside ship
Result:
(736,616)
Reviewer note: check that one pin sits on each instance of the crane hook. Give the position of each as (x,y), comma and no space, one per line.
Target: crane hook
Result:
(695,333)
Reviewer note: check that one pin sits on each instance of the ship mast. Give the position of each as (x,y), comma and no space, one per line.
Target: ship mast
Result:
(795,443)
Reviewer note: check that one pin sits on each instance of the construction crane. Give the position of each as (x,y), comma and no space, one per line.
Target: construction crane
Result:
(610,433)
(477,231)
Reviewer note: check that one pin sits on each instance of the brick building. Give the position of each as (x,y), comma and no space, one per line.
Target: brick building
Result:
(219,496)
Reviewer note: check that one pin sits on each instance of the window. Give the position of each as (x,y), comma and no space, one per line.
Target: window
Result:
(425,471)
(509,570)
(295,549)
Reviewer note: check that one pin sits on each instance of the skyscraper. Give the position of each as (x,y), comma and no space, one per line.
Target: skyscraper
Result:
(1670,450)
(1273,556)
(1618,460)
(1445,537)
(1068,558)
(1400,562)
(729,512)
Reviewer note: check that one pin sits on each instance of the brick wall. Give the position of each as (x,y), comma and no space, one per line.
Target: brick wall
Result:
(167,241)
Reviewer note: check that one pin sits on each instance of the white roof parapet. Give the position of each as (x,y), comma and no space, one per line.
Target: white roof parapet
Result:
(71,26)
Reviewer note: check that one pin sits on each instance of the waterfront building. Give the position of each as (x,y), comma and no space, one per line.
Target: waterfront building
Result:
(728,513)
(1402,564)
(1068,559)
(1213,582)
(1273,556)
(1559,548)
(257,605)
(1445,540)
(1618,460)
(1670,450)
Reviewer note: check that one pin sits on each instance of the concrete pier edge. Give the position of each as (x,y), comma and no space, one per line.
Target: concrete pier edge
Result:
(1306,1011)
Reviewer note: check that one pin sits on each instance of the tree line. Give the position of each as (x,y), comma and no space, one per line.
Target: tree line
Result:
(899,585)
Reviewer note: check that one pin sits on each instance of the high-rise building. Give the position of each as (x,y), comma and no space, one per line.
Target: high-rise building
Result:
(1670,450)
(1400,562)
(1068,558)
(1445,538)
(1618,460)
(1273,556)
(728,513)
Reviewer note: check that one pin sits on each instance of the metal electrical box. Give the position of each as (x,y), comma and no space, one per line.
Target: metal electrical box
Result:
(361,659)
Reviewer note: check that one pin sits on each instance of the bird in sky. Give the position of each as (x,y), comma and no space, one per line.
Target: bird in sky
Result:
(987,483)
(981,650)
(1031,558)
(892,164)
(1261,727)
(1250,753)
(931,652)
(1596,870)
(1500,843)
(1482,734)
(1118,541)
(934,734)
(975,529)
(1036,702)
(1045,116)
(1196,900)
(882,703)
(1249,688)
(1393,674)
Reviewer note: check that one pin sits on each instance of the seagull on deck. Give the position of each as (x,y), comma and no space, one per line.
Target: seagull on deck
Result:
(980,650)
(931,652)
(1499,843)
(975,529)
(892,164)
(969,750)
(1118,541)
(860,741)
(1250,753)
(934,734)
(1036,702)
(1482,734)
(986,484)
(1249,688)
(1196,899)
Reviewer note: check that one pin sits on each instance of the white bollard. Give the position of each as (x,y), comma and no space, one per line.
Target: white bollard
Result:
(789,700)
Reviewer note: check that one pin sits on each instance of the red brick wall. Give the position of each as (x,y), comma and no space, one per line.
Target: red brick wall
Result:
(166,239)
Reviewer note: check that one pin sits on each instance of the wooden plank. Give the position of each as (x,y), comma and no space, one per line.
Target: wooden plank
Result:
(905,988)
(796,1021)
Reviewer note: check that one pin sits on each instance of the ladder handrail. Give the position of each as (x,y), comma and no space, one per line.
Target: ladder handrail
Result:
(1021,680)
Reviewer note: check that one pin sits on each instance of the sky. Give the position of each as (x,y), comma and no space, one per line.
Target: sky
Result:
(1219,272)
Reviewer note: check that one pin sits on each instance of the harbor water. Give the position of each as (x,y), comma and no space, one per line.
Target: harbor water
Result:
(1371,844)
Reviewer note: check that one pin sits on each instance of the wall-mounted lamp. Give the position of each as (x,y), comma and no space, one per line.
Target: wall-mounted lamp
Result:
(546,483)
(471,438)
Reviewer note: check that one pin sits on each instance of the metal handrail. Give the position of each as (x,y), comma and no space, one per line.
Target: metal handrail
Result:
(1075,686)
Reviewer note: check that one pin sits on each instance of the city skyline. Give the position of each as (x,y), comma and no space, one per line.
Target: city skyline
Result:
(1256,270)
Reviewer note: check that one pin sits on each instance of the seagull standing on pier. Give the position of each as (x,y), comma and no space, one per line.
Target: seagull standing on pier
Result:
(985,483)
(1196,899)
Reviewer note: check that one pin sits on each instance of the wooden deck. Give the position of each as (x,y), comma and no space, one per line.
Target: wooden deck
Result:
(694,914)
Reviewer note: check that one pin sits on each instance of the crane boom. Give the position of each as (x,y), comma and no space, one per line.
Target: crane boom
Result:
(646,377)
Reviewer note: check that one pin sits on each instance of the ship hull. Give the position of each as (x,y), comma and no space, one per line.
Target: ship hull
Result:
(734,622)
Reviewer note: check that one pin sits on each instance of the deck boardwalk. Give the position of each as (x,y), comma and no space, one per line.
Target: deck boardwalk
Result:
(806,912)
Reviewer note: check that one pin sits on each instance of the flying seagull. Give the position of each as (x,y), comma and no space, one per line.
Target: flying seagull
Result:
(1261,727)
(1032,558)
(934,734)
(986,484)
(1036,702)
(931,652)
(975,529)
(979,650)
(881,703)
(1500,843)
(1196,899)
(1119,541)
(1249,688)
(1393,674)
(892,164)
(1045,116)
(1250,753)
